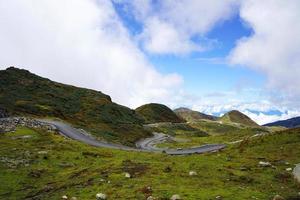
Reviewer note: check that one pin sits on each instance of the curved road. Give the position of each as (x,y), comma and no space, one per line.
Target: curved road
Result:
(145,145)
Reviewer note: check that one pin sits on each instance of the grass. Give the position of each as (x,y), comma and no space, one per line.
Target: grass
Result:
(75,169)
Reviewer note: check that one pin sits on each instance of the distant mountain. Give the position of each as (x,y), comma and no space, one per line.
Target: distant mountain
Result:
(191,115)
(289,123)
(154,113)
(235,116)
(24,93)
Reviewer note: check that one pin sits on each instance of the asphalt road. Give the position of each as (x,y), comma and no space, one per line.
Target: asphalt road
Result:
(145,145)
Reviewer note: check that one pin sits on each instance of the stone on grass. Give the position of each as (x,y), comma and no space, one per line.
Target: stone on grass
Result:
(288,169)
(101,196)
(150,198)
(264,164)
(278,197)
(127,175)
(175,197)
(64,197)
(193,173)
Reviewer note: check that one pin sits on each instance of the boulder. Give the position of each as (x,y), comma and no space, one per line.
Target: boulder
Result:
(264,164)
(278,197)
(101,196)
(3,113)
(175,197)
(193,173)
(296,172)
(127,175)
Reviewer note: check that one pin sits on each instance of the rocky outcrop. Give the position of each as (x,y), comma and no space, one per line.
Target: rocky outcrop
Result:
(10,124)
(296,172)
(3,113)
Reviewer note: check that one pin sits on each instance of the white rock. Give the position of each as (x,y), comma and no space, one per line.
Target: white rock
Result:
(193,173)
(175,197)
(264,164)
(42,152)
(64,197)
(288,169)
(150,198)
(100,196)
(296,172)
(127,175)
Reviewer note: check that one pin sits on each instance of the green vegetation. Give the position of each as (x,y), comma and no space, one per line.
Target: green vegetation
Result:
(177,129)
(45,166)
(154,113)
(191,115)
(23,93)
(235,116)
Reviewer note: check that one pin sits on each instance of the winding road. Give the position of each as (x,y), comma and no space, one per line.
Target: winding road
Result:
(145,145)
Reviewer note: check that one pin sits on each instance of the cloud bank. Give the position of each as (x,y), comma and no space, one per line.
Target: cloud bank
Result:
(81,42)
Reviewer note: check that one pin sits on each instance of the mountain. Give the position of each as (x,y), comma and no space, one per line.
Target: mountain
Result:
(289,123)
(235,116)
(191,115)
(24,93)
(154,113)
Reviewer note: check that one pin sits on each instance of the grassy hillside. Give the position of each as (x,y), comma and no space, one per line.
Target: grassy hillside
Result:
(45,166)
(191,115)
(154,113)
(235,116)
(23,93)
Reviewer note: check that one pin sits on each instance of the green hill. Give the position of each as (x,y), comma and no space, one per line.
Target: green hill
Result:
(235,116)
(191,115)
(154,113)
(24,93)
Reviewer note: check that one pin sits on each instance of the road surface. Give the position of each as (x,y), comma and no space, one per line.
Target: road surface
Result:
(145,145)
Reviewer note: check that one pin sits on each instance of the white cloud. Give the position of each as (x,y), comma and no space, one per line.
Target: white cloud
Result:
(274,46)
(80,42)
(170,25)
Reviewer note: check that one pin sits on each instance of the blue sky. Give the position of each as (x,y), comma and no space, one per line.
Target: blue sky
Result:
(211,56)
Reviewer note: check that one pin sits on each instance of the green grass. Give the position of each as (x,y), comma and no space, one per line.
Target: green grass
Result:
(76,169)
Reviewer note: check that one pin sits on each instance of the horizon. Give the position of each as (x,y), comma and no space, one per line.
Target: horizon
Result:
(211,57)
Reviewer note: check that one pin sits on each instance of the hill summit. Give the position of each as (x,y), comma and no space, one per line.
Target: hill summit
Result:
(154,113)
(191,115)
(235,116)
(24,93)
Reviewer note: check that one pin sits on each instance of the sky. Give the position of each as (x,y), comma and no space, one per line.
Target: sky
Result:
(210,56)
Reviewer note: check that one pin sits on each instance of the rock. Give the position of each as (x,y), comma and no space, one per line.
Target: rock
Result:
(296,172)
(42,152)
(278,197)
(3,113)
(264,164)
(193,173)
(127,175)
(150,198)
(175,197)
(219,197)
(288,169)
(101,196)
(64,197)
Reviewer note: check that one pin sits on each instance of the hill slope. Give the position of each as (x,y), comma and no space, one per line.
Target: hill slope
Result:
(191,115)
(24,93)
(235,116)
(289,123)
(154,113)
